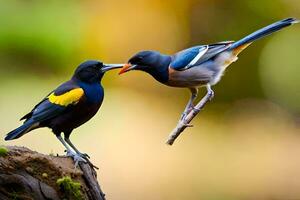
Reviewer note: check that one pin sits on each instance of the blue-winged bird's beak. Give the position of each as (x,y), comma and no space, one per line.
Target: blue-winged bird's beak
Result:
(107,67)
(127,67)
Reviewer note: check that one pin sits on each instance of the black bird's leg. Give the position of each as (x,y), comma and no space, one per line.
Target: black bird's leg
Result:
(84,155)
(190,104)
(70,153)
(68,150)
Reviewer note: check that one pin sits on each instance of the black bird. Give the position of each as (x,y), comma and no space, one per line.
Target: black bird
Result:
(69,106)
(197,66)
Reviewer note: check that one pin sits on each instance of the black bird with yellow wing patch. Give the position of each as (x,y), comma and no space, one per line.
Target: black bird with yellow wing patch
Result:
(70,105)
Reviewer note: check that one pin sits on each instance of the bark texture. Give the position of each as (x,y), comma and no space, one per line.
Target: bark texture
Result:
(26,174)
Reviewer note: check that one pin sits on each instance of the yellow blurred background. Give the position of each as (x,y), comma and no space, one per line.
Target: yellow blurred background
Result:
(246,142)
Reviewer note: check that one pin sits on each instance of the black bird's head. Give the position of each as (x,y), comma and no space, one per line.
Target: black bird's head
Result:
(92,71)
(151,62)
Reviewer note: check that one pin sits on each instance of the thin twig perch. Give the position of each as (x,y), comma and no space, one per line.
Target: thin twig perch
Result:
(182,125)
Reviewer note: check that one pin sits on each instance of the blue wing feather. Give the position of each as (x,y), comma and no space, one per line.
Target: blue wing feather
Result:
(182,59)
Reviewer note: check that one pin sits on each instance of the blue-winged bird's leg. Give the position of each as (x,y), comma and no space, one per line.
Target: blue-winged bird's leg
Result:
(77,158)
(190,104)
(210,92)
(83,156)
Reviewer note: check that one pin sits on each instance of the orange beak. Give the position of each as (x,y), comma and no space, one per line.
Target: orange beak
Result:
(126,68)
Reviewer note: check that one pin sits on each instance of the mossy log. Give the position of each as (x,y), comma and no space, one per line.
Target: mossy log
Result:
(26,174)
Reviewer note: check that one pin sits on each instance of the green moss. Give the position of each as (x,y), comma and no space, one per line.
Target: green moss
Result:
(44,175)
(3,151)
(14,196)
(70,188)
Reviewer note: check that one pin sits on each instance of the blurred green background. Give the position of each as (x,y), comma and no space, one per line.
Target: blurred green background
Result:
(245,144)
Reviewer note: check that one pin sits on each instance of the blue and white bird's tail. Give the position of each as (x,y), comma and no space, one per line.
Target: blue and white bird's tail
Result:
(244,42)
(18,132)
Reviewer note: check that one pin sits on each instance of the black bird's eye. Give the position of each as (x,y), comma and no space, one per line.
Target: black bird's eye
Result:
(99,65)
(136,60)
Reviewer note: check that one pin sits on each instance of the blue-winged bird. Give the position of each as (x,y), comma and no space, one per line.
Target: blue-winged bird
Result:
(197,66)
(70,105)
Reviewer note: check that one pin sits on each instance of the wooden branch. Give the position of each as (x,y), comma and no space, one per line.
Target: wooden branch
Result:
(26,174)
(90,177)
(182,125)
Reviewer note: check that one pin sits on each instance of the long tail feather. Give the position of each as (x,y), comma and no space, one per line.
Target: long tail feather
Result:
(18,132)
(264,32)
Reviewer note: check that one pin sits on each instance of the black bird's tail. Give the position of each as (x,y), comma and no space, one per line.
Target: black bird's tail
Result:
(263,32)
(18,132)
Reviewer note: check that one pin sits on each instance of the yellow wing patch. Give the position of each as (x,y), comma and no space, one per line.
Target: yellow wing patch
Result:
(71,97)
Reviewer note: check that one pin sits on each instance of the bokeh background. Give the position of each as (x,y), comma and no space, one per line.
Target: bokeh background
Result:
(245,144)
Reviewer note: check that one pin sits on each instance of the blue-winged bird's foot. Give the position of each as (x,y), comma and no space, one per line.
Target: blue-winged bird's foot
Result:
(210,92)
(196,109)
(184,114)
(211,95)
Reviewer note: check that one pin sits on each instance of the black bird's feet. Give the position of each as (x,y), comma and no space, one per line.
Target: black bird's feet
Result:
(84,155)
(87,158)
(76,157)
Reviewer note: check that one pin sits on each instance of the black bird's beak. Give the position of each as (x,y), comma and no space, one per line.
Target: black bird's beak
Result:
(127,67)
(107,67)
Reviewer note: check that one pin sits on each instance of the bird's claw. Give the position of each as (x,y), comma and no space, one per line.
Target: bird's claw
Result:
(196,109)
(183,116)
(76,157)
(80,157)
(185,113)
(211,95)
(84,155)
(92,165)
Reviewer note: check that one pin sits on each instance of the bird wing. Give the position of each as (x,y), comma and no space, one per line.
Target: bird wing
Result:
(183,59)
(194,56)
(56,102)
